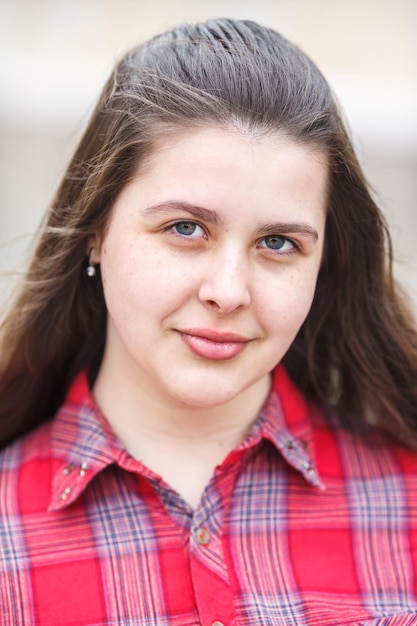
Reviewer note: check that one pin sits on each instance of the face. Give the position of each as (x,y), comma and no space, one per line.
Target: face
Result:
(209,264)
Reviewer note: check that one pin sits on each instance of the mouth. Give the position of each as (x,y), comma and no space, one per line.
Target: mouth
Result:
(214,345)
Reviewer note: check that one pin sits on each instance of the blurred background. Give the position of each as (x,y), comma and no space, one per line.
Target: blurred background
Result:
(56,54)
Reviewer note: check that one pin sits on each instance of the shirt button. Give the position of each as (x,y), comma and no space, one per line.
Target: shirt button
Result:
(67,470)
(203,538)
(217,624)
(83,468)
(64,495)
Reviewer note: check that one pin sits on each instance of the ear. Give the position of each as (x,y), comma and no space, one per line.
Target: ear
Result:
(93,248)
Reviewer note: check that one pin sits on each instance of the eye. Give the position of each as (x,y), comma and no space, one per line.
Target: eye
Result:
(187,229)
(278,243)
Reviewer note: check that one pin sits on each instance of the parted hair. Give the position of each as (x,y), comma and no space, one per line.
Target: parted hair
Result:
(357,349)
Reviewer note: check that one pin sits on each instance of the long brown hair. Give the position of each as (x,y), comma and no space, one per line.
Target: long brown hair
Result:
(357,350)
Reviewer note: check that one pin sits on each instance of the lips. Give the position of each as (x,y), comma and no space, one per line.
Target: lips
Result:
(214,345)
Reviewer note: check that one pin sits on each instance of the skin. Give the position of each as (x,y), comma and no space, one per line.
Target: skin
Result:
(220,233)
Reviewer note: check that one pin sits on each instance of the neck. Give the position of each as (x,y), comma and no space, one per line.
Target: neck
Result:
(176,440)
(133,407)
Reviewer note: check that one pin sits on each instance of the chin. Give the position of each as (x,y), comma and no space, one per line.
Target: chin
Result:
(206,401)
(206,398)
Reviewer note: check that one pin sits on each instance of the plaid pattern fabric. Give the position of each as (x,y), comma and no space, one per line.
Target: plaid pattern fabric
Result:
(302,524)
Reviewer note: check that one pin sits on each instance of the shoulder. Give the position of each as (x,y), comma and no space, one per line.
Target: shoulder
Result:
(25,467)
(371,459)
(33,445)
(27,464)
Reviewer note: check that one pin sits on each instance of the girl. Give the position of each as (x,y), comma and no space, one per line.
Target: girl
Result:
(208,378)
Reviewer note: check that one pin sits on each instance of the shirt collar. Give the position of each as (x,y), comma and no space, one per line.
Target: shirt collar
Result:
(83,443)
(286,421)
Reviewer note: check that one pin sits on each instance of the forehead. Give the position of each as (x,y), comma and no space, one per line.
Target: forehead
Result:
(233,134)
(233,149)
(229,171)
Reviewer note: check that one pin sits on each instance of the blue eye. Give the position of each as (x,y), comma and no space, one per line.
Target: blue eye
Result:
(188,229)
(274,242)
(277,242)
(185,228)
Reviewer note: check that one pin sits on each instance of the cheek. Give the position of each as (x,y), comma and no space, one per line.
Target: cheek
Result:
(286,305)
(140,281)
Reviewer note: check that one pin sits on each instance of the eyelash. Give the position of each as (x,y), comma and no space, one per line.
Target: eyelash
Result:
(295,246)
(172,227)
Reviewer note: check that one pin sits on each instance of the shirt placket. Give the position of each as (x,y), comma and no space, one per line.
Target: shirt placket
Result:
(208,566)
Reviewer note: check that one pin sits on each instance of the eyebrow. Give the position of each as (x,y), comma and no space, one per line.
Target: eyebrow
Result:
(212,217)
(174,205)
(285,228)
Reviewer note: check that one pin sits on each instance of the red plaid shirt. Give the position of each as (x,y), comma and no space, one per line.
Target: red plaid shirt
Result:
(302,524)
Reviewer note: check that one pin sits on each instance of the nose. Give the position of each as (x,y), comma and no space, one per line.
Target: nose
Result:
(225,286)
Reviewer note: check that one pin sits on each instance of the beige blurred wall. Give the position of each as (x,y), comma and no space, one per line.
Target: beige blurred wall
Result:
(56,54)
